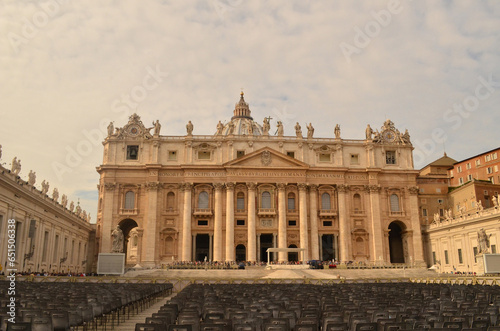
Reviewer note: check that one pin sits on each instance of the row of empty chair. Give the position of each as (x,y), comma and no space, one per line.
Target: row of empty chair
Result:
(50,306)
(305,307)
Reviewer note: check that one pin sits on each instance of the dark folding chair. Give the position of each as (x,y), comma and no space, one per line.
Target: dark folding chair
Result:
(335,326)
(60,320)
(244,327)
(20,326)
(179,327)
(149,327)
(41,323)
(366,326)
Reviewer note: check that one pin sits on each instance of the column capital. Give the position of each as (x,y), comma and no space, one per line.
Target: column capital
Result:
(218,186)
(230,186)
(281,186)
(110,186)
(413,190)
(373,188)
(302,186)
(342,188)
(186,186)
(313,187)
(151,186)
(251,185)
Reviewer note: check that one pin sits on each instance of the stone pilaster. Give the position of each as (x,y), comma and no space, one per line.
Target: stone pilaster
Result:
(418,250)
(230,251)
(107,216)
(149,244)
(218,222)
(313,214)
(282,256)
(186,223)
(345,238)
(303,221)
(252,250)
(376,235)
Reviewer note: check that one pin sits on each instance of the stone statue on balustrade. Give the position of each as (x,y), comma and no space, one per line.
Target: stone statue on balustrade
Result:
(157,127)
(220,127)
(266,126)
(337,131)
(117,236)
(64,200)
(16,166)
(189,128)
(310,130)
(78,210)
(368,132)
(45,187)
(298,130)
(479,206)
(71,206)
(55,194)
(484,241)
(280,129)
(32,178)
(495,201)
(437,218)
(110,129)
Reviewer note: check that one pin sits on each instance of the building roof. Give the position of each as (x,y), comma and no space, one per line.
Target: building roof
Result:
(487,152)
(444,161)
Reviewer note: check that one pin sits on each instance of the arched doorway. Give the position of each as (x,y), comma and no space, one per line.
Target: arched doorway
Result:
(293,256)
(241,253)
(126,226)
(396,248)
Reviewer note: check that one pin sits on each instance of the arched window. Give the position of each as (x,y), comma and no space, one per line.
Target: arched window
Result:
(394,202)
(203,200)
(129,200)
(266,200)
(291,201)
(325,201)
(240,201)
(170,200)
(357,202)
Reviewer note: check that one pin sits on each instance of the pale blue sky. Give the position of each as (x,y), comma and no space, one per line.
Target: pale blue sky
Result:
(67,66)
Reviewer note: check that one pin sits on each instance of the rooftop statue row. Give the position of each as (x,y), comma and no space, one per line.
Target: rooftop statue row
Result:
(16,169)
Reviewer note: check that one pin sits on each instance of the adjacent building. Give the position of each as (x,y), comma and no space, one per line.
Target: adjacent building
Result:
(232,195)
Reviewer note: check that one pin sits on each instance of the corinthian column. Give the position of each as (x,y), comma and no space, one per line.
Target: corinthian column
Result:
(251,223)
(418,252)
(186,223)
(376,235)
(282,256)
(149,248)
(218,222)
(303,221)
(230,253)
(107,217)
(343,225)
(313,191)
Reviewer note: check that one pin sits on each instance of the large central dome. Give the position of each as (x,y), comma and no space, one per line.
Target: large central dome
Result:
(241,123)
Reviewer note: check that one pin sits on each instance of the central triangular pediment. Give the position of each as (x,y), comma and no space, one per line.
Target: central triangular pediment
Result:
(266,158)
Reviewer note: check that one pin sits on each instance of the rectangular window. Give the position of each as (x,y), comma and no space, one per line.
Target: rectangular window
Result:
(493,249)
(446,261)
(354,159)
(327,223)
(492,180)
(172,155)
(204,155)
(434,260)
(467,166)
(45,243)
(240,154)
(495,168)
(451,173)
(459,169)
(494,156)
(424,212)
(390,157)
(290,154)
(291,203)
(489,170)
(460,180)
(202,222)
(292,223)
(469,178)
(487,158)
(240,203)
(132,152)
(460,259)
(323,157)
(478,162)
(240,222)
(475,254)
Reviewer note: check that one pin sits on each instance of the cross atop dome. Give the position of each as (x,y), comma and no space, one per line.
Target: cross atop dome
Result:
(241,109)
